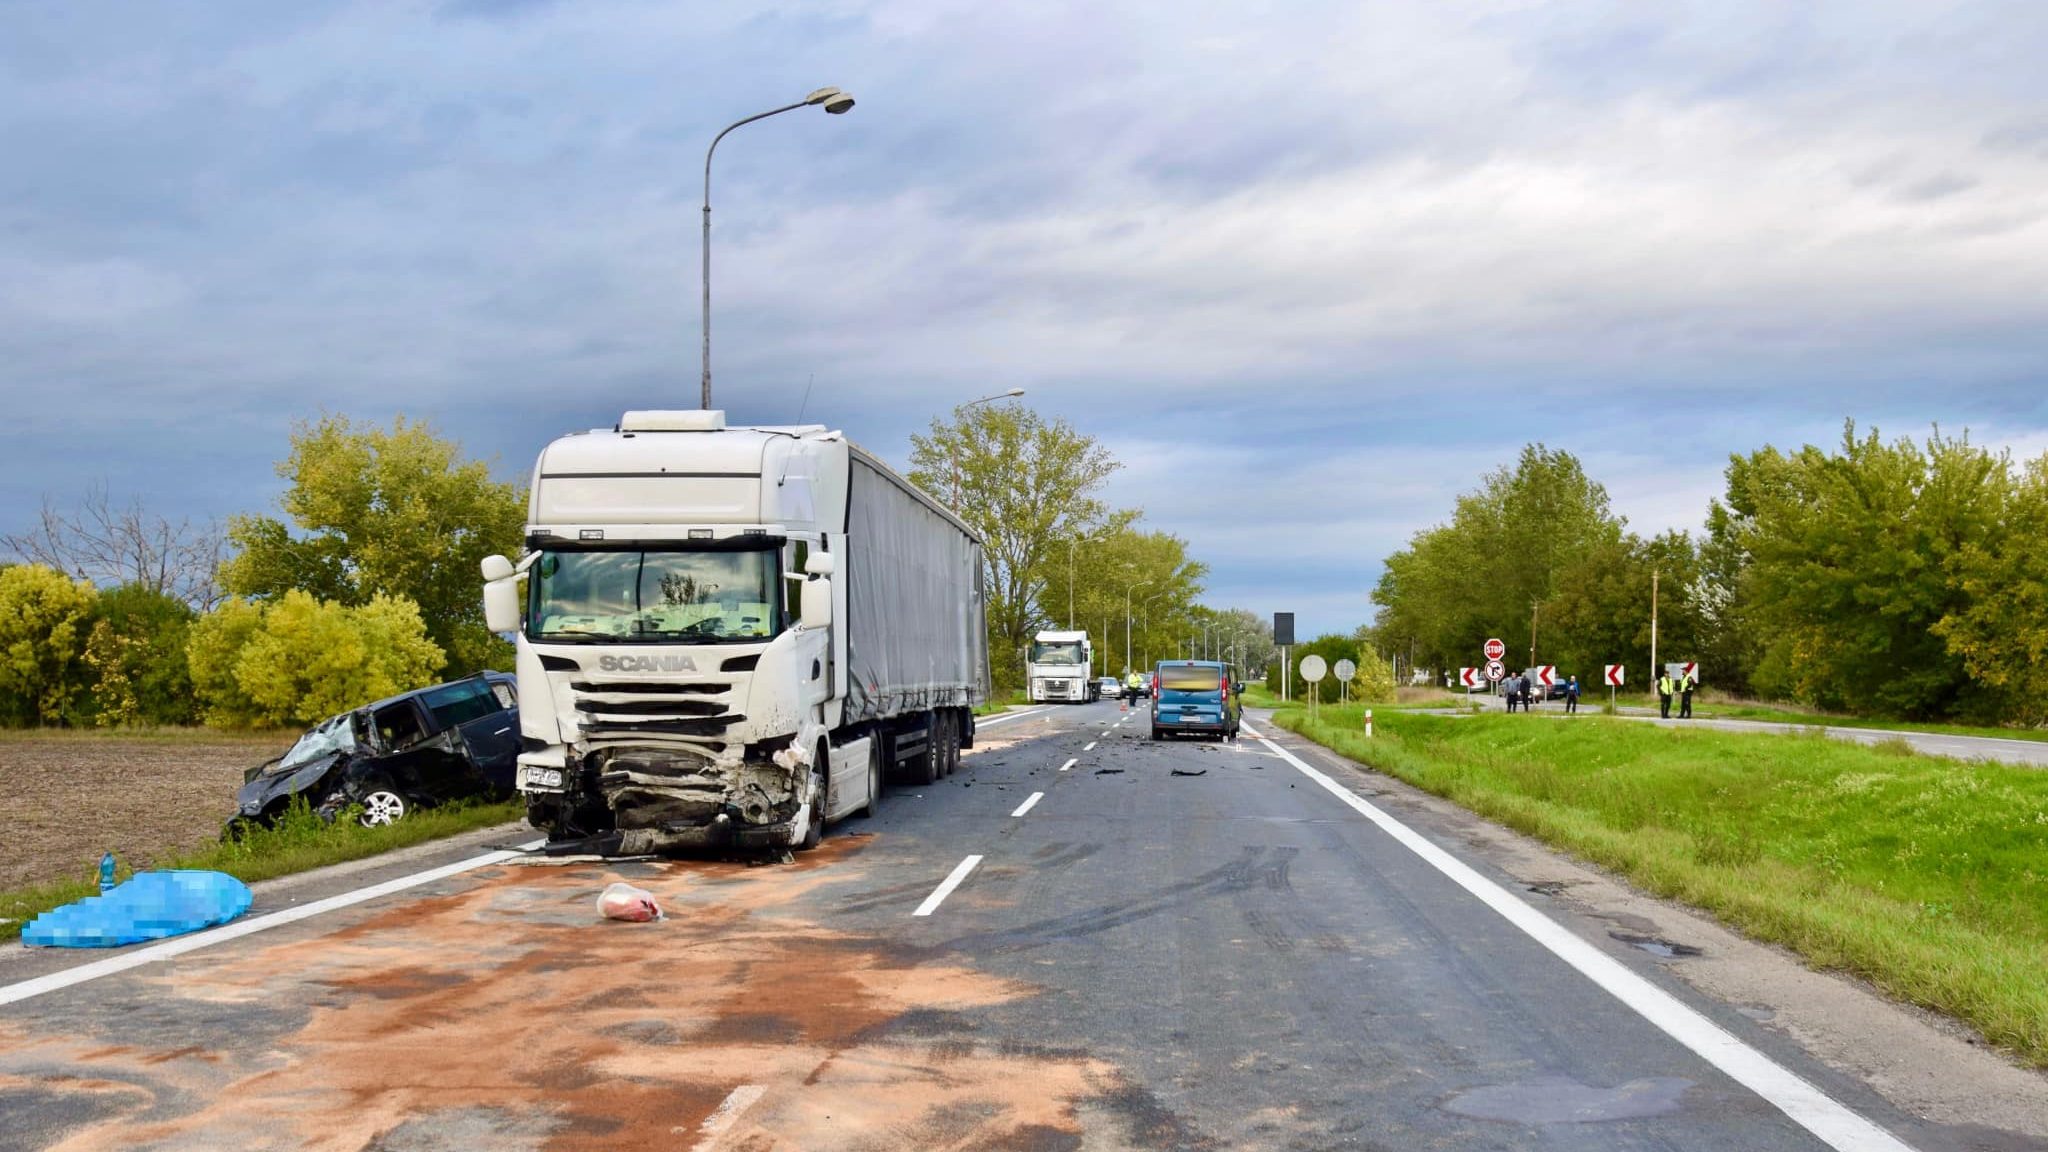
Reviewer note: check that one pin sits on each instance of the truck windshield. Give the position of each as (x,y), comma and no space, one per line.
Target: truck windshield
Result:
(1067,653)
(679,596)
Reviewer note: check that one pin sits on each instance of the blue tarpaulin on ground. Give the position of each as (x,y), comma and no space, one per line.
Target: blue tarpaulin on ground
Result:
(150,906)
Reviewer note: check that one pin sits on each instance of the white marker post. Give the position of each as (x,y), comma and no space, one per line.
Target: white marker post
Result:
(1368,723)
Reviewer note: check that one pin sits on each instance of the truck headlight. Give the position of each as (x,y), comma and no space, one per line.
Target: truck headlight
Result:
(543,777)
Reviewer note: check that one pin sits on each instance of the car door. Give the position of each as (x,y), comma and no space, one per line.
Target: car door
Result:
(419,761)
(486,731)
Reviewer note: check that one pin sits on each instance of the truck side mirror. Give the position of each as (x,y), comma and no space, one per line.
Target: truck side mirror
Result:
(501,605)
(816,606)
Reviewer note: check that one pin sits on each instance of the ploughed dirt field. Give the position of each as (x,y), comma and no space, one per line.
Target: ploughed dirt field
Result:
(68,797)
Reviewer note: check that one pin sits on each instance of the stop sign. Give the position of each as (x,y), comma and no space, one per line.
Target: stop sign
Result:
(1495,649)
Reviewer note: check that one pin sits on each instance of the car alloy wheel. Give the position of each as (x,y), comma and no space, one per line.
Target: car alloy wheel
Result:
(382,807)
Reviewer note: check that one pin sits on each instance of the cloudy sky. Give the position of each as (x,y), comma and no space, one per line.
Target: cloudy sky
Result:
(1308,268)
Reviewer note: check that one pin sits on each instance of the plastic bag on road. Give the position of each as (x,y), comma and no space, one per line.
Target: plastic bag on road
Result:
(621,901)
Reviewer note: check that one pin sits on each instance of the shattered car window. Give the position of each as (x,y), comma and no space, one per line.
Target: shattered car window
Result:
(399,725)
(336,734)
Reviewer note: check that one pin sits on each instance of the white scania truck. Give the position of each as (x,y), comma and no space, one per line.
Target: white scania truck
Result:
(727,636)
(1061,668)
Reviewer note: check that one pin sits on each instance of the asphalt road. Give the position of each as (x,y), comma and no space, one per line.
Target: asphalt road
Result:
(1145,945)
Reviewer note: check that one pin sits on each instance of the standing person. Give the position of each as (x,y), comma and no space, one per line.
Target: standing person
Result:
(1571,696)
(1508,689)
(1685,691)
(1664,687)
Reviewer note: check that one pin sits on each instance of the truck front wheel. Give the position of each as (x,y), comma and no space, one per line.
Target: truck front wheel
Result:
(821,776)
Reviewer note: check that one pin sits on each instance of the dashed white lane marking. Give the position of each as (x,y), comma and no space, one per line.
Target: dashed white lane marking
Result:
(1105,731)
(1069,764)
(728,1111)
(1090,747)
(1026,805)
(946,886)
(1806,1105)
(27,989)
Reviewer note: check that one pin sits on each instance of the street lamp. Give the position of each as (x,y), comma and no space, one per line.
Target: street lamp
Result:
(1071,541)
(835,102)
(1127,621)
(1145,611)
(956,447)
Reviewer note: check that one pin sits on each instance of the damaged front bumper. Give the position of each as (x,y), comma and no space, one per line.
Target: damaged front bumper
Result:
(645,798)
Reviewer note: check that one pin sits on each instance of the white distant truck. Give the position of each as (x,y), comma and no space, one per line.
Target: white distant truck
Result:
(727,636)
(1060,668)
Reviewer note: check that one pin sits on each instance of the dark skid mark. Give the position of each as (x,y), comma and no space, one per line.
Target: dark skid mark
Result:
(1551,887)
(1560,1100)
(1655,946)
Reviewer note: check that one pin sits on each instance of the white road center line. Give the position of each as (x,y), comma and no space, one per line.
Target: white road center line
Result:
(946,886)
(28,989)
(1026,805)
(1090,747)
(1069,764)
(1006,717)
(1808,1106)
(722,1117)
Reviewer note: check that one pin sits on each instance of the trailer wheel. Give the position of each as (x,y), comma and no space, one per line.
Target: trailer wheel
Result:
(874,777)
(931,761)
(952,745)
(821,797)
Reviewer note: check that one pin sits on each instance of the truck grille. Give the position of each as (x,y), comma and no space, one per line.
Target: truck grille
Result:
(625,706)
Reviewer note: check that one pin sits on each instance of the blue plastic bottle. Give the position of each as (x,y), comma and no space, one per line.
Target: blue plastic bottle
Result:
(106,873)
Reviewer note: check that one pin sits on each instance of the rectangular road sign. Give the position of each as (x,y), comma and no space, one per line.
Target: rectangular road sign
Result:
(1689,671)
(1469,677)
(1283,629)
(1546,675)
(1614,676)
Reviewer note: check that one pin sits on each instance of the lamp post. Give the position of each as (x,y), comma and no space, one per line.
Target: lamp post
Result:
(956,447)
(1071,541)
(1127,621)
(835,102)
(1145,612)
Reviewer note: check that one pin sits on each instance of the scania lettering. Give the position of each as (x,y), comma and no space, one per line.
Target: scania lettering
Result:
(729,636)
(1059,668)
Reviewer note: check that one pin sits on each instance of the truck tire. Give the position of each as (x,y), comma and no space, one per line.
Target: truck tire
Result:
(931,759)
(874,777)
(952,748)
(821,798)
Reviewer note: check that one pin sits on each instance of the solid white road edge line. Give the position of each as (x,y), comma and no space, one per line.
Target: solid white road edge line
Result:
(946,886)
(1006,717)
(722,1117)
(1026,805)
(1069,764)
(1090,747)
(27,989)
(1806,1105)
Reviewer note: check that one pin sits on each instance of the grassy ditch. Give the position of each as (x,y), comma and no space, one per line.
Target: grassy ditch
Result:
(299,842)
(1927,877)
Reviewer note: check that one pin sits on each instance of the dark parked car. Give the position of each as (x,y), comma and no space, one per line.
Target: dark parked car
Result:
(417,749)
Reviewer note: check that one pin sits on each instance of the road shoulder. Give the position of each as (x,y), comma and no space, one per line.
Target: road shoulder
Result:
(1926,1065)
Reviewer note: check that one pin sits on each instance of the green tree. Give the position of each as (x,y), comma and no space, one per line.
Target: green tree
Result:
(1024,484)
(376,512)
(1999,628)
(1508,549)
(298,659)
(137,653)
(45,620)
(211,650)
(1852,563)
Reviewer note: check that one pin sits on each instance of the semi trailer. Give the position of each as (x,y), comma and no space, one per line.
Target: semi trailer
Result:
(728,636)
(1060,668)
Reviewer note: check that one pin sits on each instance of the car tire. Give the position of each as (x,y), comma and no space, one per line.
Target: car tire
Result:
(382,806)
(1158,735)
(821,799)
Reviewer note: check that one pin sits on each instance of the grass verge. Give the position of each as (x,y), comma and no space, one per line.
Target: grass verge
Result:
(1748,710)
(1927,877)
(299,843)
(1002,702)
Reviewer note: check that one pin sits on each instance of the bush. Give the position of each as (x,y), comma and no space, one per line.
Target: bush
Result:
(300,659)
(137,655)
(45,619)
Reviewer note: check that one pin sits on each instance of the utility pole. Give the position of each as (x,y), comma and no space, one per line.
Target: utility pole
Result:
(1535,609)
(1654,673)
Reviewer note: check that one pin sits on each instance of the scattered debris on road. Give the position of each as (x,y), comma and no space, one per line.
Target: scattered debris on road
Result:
(1109,771)
(622,901)
(1185,772)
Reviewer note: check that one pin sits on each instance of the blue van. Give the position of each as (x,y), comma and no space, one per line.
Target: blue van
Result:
(1194,696)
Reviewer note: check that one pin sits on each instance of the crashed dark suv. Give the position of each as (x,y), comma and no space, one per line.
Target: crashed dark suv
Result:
(421,748)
